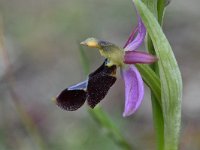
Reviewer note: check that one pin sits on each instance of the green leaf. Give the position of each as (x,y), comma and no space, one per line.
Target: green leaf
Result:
(170,77)
(152,5)
(156,107)
(151,79)
(161,9)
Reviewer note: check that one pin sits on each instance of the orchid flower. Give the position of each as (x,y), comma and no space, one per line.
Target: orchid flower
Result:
(95,88)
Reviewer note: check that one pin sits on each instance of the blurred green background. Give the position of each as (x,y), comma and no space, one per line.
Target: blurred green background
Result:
(42,36)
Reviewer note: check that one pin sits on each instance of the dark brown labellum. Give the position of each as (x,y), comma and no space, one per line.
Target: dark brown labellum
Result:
(94,89)
(71,100)
(98,87)
(99,83)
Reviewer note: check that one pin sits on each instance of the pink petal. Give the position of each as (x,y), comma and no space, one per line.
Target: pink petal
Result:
(131,37)
(133,41)
(134,90)
(133,57)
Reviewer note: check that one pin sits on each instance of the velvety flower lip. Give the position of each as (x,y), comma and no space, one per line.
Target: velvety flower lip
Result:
(92,90)
(134,90)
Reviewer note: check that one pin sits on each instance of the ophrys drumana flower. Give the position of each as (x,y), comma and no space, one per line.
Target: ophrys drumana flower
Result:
(122,58)
(95,88)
